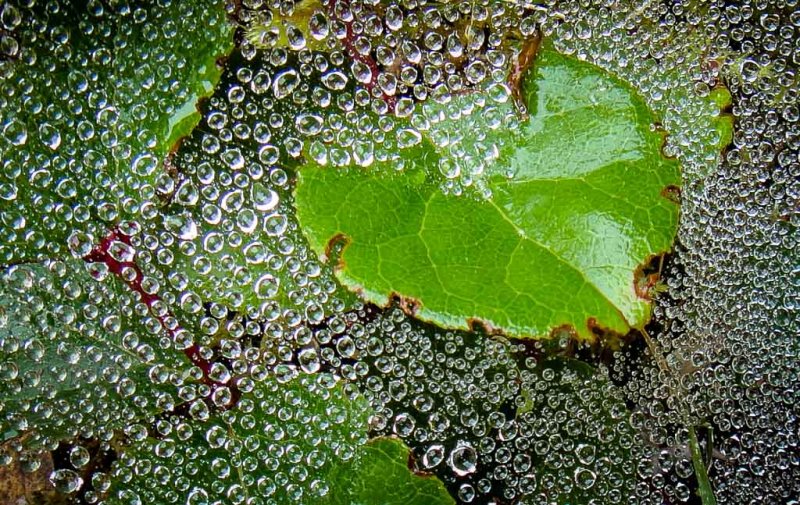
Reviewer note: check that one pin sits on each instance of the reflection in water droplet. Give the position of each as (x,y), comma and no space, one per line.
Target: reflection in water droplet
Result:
(463,460)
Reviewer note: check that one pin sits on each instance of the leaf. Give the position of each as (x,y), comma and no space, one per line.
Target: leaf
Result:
(88,121)
(295,441)
(380,475)
(75,360)
(557,243)
(287,27)
(278,443)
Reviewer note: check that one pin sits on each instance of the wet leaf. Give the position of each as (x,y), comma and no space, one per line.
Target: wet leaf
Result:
(299,440)
(74,359)
(381,465)
(289,27)
(90,118)
(576,205)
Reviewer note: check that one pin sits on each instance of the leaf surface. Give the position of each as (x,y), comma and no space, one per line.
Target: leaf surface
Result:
(86,124)
(68,342)
(577,204)
(382,465)
(298,441)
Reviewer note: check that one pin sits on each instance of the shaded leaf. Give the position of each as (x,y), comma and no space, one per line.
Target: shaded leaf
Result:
(88,121)
(75,359)
(295,441)
(279,443)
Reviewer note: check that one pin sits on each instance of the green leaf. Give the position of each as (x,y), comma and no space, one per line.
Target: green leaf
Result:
(290,441)
(380,476)
(577,204)
(75,359)
(239,244)
(94,104)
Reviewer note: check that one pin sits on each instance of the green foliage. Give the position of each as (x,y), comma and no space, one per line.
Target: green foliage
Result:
(75,359)
(577,204)
(381,464)
(704,491)
(95,103)
(530,217)
(300,441)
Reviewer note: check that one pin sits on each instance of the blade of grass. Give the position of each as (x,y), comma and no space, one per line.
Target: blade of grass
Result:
(704,490)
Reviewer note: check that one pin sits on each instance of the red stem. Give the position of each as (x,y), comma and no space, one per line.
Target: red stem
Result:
(102,254)
(349,44)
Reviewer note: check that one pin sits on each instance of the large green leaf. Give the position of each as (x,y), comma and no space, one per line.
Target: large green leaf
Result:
(90,108)
(578,201)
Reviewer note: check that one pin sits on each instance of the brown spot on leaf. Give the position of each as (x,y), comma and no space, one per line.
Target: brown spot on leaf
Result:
(564,331)
(647,275)
(523,62)
(607,341)
(407,304)
(414,467)
(672,193)
(334,250)
(480,326)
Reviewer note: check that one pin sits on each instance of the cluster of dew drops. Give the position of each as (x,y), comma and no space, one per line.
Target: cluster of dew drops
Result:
(209,263)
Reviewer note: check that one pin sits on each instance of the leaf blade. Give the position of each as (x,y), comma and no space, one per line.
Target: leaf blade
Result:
(557,243)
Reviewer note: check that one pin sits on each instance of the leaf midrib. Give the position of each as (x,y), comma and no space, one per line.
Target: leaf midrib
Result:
(524,236)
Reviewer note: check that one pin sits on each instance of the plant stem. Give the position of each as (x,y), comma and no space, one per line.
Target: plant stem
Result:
(349,43)
(101,254)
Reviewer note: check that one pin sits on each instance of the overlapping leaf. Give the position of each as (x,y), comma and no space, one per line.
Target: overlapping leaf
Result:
(92,104)
(299,441)
(579,199)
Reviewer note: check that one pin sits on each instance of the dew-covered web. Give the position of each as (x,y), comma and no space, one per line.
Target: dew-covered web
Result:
(168,335)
